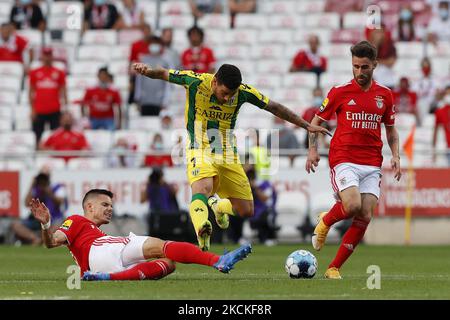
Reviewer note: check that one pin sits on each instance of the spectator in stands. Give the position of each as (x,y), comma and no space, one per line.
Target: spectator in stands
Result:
(439,26)
(152,95)
(65,138)
(141,47)
(259,157)
(382,40)
(131,15)
(101,15)
(47,94)
(405,100)
(442,115)
(310,112)
(310,60)
(426,88)
(12,45)
(287,140)
(240,6)
(201,7)
(406,30)
(172,55)
(54,196)
(122,155)
(103,103)
(198,57)
(158,157)
(161,195)
(264,201)
(166,120)
(27,15)
(138,49)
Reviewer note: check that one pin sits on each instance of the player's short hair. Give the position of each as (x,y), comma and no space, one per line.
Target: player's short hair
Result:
(95,192)
(230,76)
(42,178)
(364,49)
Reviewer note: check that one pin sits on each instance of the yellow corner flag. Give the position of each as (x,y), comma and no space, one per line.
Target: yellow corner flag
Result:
(408,148)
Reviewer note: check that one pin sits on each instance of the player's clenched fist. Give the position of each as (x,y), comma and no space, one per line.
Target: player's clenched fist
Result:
(142,68)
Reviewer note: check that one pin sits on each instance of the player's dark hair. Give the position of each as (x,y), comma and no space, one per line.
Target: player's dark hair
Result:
(96,192)
(196,29)
(230,76)
(364,49)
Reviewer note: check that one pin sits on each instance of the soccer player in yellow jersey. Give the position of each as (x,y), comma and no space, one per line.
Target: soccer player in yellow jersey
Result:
(212,105)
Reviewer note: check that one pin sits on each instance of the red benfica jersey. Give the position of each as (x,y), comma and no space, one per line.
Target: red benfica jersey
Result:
(443,118)
(47,82)
(64,140)
(139,48)
(357,138)
(80,233)
(101,102)
(199,60)
(13,48)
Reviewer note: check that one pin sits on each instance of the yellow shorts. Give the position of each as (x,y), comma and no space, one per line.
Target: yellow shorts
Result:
(232,181)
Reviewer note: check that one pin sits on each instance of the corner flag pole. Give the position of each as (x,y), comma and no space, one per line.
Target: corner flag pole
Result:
(408,147)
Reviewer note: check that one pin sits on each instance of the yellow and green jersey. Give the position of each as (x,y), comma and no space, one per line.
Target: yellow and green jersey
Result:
(210,124)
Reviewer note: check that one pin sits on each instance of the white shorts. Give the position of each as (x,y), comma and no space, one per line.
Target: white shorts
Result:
(114,254)
(366,178)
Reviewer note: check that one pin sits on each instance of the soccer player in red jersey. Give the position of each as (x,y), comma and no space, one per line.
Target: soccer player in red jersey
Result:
(103,257)
(355,154)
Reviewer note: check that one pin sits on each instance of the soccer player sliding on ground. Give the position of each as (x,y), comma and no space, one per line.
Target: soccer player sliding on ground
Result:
(355,154)
(214,171)
(103,257)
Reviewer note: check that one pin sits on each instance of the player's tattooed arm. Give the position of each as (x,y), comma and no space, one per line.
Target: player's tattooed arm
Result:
(394,144)
(42,214)
(393,141)
(286,114)
(313,136)
(151,72)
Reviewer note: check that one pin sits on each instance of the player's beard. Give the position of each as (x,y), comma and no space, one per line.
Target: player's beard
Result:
(363,80)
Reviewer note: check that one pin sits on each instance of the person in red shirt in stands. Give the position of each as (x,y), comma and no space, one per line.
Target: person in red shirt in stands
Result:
(138,48)
(141,46)
(443,120)
(65,138)
(12,45)
(405,100)
(310,60)
(104,103)
(198,57)
(47,89)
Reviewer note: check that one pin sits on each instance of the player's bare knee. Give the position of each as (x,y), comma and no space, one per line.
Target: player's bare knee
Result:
(352,209)
(153,248)
(245,211)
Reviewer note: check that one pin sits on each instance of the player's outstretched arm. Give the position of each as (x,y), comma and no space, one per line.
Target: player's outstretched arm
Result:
(42,214)
(154,73)
(286,114)
(312,161)
(393,140)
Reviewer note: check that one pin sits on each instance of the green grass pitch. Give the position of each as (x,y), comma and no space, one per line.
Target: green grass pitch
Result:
(414,272)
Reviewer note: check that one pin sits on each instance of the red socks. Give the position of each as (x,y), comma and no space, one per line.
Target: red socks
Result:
(185,252)
(150,270)
(349,242)
(335,214)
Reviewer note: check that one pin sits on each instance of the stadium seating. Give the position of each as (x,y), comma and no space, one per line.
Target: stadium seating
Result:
(262,45)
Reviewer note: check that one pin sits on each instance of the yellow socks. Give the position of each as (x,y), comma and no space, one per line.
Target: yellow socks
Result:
(198,210)
(224,206)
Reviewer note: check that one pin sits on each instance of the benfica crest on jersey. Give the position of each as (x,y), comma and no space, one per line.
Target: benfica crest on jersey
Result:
(379,101)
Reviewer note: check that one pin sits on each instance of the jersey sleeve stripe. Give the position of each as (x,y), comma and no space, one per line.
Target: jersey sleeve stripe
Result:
(190,126)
